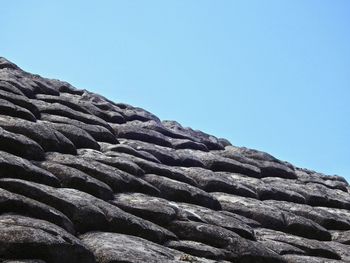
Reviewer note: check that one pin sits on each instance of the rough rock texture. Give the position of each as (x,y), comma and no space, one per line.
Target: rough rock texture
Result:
(85,179)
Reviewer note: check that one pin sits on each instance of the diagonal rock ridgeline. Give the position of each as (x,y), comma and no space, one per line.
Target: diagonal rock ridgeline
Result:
(85,179)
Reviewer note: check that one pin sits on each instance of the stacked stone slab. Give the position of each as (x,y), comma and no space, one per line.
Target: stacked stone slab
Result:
(85,179)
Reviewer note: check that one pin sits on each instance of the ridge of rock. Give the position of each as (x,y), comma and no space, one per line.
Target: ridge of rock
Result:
(86,179)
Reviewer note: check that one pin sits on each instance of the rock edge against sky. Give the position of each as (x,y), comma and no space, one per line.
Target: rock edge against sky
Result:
(85,179)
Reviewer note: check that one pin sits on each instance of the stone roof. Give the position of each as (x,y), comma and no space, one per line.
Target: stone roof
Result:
(85,179)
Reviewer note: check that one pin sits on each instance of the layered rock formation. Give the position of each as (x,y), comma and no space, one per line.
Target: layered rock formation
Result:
(85,179)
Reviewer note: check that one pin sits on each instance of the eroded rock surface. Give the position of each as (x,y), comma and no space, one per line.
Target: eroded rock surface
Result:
(86,179)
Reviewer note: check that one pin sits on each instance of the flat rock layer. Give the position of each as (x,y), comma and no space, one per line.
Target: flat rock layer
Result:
(86,179)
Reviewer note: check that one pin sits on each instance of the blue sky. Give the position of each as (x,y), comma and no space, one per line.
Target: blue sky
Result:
(270,75)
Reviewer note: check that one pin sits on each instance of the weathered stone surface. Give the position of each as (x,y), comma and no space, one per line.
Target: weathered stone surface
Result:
(47,138)
(20,145)
(19,204)
(313,193)
(311,247)
(42,86)
(155,209)
(211,142)
(68,101)
(117,162)
(73,178)
(24,237)
(156,125)
(65,87)
(108,114)
(188,144)
(20,100)
(328,218)
(156,168)
(79,137)
(131,113)
(241,250)
(341,236)
(118,180)
(8,87)
(302,259)
(111,247)
(197,249)
(218,163)
(12,166)
(268,165)
(341,249)
(282,248)
(243,219)
(182,192)
(165,155)
(271,217)
(228,183)
(4,63)
(306,176)
(141,134)
(87,212)
(10,109)
(98,132)
(12,77)
(72,162)
(61,110)
(79,103)
(205,215)
(121,148)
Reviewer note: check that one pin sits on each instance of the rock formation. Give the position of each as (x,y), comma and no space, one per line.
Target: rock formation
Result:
(85,179)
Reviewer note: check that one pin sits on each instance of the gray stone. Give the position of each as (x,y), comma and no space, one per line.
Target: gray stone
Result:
(112,247)
(182,192)
(117,162)
(205,215)
(99,133)
(122,148)
(217,163)
(241,250)
(165,155)
(73,178)
(141,134)
(341,237)
(311,247)
(12,166)
(308,259)
(48,138)
(20,145)
(197,249)
(154,209)
(211,142)
(118,180)
(19,204)
(8,87)
(273,218)
(24,237)
(62,110)
(87,212)
(156,168)
(79,137)
(10,109)
(20,100)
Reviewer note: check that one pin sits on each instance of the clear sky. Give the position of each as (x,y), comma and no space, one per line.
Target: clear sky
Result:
(270,75)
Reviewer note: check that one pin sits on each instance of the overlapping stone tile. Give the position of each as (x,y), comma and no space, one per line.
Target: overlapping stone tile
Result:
(118,180)
(98,132)
(198,196)
(24,237)
(87,212)
(49,139)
